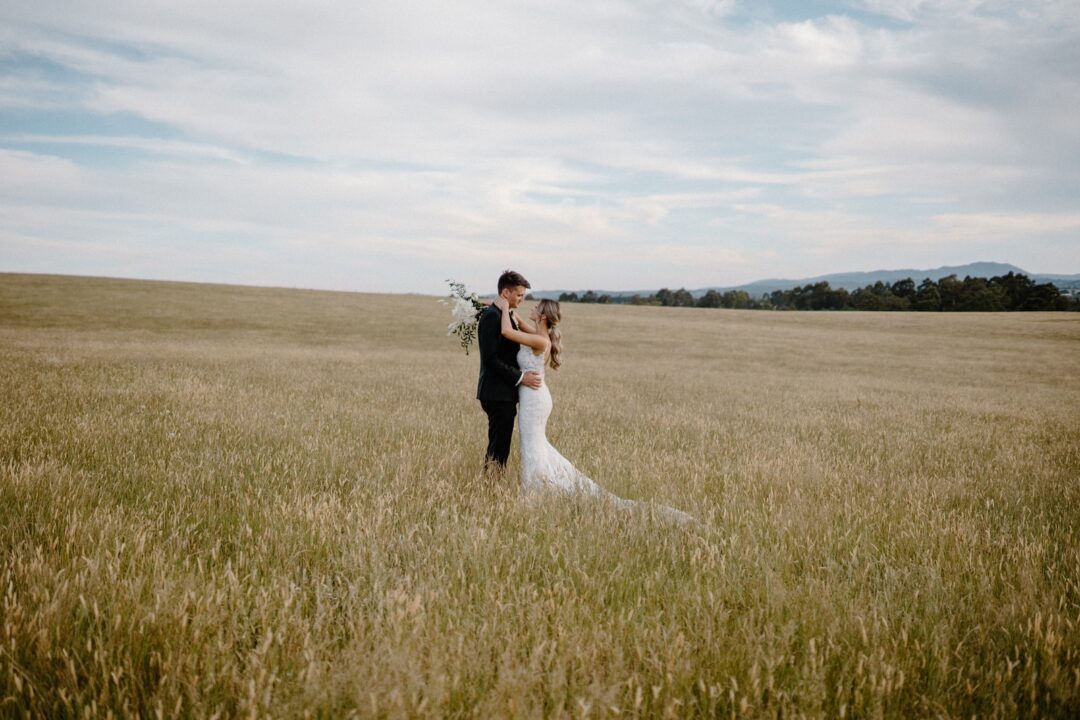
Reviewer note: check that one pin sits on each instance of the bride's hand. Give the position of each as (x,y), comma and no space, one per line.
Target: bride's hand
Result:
(502,304)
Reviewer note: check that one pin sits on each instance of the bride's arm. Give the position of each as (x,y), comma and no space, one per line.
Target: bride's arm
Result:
(536,342)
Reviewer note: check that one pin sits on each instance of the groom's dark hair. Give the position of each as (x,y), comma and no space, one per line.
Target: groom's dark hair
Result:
(510,279)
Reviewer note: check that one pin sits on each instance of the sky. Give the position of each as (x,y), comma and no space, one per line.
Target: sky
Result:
(611,144)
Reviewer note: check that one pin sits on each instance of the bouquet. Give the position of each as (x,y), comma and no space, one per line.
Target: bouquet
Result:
(465,308)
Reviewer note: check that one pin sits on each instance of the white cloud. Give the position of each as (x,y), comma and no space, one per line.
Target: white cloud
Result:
(22,170)
(1006,225)
(831,42)
(151,146)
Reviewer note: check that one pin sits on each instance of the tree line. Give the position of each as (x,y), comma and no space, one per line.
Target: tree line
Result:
(1011,292)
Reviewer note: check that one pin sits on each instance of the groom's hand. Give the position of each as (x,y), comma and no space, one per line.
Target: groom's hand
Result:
(532,380)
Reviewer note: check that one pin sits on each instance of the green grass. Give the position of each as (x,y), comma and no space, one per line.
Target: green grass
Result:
(252,501)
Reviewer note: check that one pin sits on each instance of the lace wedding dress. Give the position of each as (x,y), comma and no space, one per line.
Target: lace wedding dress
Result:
(542,467)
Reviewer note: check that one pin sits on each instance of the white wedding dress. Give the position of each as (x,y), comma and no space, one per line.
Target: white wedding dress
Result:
(542,467)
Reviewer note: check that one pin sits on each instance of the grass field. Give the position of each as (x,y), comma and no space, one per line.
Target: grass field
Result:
(233,501)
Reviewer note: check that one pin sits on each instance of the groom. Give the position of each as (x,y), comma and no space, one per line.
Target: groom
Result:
(499,373)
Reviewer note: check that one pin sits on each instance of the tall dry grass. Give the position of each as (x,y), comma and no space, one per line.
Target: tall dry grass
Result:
(228,501)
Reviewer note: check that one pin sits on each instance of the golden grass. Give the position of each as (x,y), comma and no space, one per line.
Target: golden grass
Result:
(232,501)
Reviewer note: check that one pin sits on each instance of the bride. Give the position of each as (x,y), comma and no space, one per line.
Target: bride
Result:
(542,467)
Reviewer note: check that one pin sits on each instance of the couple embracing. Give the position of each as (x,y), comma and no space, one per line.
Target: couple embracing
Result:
(514,352)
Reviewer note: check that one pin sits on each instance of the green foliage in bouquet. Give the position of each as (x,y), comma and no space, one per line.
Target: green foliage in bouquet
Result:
(466,309)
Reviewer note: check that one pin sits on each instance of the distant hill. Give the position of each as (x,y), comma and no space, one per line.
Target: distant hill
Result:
(852,280)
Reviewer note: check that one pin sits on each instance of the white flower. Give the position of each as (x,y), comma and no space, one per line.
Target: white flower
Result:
(463,310)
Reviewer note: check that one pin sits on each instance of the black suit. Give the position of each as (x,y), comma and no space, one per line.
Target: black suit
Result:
(497,388)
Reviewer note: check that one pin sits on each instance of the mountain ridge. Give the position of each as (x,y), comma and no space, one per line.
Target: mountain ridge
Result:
(853,280)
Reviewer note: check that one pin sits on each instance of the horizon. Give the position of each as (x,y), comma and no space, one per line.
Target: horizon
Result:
(532,290)
(698,143)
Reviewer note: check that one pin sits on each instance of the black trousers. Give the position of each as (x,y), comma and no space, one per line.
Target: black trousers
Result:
(501,414)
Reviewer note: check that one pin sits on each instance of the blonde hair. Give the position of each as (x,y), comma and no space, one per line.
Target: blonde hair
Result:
(549,310)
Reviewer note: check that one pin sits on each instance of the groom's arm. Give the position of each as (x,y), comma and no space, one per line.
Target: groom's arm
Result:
(487,336)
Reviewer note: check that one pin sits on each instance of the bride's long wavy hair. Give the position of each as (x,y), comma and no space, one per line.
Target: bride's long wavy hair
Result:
(549,310)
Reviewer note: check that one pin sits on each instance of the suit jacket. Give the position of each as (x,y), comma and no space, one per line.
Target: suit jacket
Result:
(499,371)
